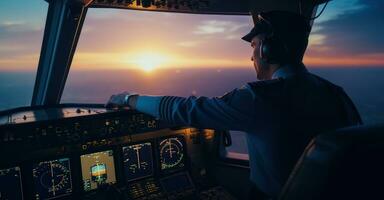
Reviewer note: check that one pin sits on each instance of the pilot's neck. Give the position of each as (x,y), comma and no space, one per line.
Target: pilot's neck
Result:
(289,70)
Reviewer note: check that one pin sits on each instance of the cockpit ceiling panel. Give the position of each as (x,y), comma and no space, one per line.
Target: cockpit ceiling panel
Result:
(241,7)
(229,7)
(303,7)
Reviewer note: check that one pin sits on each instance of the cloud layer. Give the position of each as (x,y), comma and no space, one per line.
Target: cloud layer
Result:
(350,32)
(357,32)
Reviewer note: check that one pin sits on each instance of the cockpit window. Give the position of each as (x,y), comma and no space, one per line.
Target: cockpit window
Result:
(21,33)
(158,54)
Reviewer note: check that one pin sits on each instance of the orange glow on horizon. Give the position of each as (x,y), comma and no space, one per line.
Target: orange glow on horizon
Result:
(149,61)
(346,61)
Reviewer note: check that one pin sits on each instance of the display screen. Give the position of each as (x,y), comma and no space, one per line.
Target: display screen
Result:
(172,153)
(10,184)
(52,179)
(97,169)
(138,161)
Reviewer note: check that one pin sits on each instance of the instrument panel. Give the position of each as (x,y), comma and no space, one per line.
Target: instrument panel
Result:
(52,179)
(105,152)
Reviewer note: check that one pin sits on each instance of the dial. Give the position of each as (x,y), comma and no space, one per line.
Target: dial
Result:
(52,178)
(137,161)
(171,153)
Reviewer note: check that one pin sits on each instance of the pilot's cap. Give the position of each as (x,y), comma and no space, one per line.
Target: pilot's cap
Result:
(283,23)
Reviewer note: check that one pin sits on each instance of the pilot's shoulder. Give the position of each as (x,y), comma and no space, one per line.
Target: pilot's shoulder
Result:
(262,88)
(265,84)
(328,83)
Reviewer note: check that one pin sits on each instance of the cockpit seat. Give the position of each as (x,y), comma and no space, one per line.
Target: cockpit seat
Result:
(343,164)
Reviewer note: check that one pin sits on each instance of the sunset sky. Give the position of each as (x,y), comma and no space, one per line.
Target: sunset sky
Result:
(349,33)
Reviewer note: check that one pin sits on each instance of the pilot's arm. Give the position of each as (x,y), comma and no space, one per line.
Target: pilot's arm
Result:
(239,109)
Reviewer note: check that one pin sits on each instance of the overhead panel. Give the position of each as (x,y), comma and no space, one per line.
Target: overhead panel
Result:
(302,7)
(230,7)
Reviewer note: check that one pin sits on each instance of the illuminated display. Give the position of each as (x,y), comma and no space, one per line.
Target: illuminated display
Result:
(10,184)
(99,173)
(171,153)
(97,169)
(52,179)
(138,161)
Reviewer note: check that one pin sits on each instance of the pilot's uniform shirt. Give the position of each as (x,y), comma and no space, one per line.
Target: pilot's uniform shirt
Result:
(280,116)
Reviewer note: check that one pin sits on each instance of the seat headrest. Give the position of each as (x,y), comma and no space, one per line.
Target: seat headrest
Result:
(343,164)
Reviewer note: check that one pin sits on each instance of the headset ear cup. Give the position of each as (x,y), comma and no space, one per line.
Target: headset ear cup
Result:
(261,51)
(265,50)
(272,50)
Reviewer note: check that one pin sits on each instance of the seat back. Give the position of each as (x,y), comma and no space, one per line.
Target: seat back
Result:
(343,164)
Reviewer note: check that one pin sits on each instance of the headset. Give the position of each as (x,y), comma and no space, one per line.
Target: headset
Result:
(272,49)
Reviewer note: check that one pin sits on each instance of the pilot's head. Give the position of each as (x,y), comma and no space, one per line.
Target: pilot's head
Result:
(279,38)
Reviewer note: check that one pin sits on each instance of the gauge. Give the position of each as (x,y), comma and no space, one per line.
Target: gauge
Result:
(137,161)
(171,153)
(52,178)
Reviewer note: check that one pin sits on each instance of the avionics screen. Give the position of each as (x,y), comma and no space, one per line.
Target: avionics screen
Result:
(10,184)
(52,179)
(172,153)
(138,161)
(97,169)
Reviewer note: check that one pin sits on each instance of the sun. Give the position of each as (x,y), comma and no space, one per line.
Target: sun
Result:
(149,61)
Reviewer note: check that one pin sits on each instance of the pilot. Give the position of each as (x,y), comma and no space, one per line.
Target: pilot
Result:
(281,112)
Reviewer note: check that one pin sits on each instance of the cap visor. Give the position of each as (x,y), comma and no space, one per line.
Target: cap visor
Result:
(249,37)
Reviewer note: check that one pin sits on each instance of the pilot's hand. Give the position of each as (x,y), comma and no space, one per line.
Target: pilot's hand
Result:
(119,100)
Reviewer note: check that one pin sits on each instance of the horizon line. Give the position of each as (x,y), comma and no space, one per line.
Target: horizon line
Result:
(200,68)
